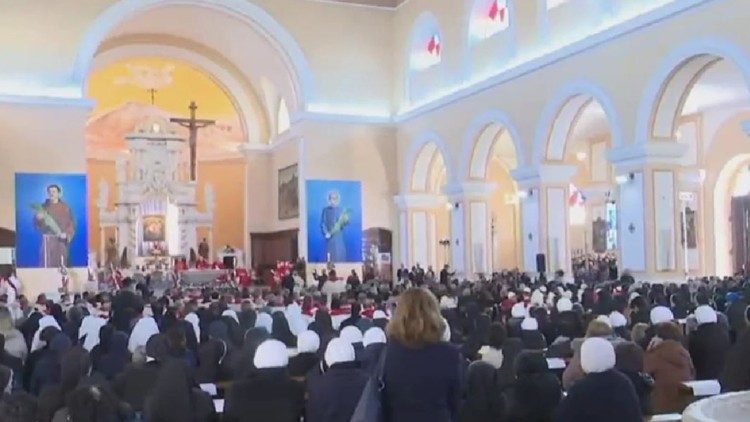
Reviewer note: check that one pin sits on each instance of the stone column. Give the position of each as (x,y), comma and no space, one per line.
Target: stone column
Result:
(418,240)
(648,208)
(544,192)
(472,212)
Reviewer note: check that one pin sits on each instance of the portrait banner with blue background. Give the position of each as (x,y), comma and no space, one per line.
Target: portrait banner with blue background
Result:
(51,223)
(334,221)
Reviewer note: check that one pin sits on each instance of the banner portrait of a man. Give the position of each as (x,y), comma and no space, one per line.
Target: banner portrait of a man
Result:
(51,220)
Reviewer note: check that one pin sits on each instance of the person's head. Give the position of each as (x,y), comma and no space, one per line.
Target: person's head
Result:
(417,320)
(704,314)
(629,357)
(271,354)
(638,333)
(668,331)
(598,328)
(339,350)
(496,336)
(18,407)
(54,192)
(334,198)
(157,347)
(660,314)
(481,379)
(308,342)
(597,355)
(351,334)
(75,365)
(530,363)
(374,335)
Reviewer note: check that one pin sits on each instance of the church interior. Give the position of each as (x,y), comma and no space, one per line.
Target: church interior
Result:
(544,137)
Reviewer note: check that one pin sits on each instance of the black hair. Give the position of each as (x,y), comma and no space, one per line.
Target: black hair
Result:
(56,186)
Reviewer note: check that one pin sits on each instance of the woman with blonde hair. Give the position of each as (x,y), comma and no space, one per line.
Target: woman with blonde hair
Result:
(422,373)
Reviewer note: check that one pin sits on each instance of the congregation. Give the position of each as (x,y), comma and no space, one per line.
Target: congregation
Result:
(507,348)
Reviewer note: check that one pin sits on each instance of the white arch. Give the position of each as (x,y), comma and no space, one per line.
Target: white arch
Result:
(477,128)
(258,18)
(247,107)
(652,99)
(547,137)
(413,155)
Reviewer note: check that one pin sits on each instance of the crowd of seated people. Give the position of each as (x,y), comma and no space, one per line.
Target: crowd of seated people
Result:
(488,350)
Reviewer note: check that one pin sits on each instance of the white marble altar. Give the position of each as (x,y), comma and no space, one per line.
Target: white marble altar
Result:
(153,180)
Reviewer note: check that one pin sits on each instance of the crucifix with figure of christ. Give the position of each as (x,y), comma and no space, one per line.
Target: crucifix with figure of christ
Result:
(192,124)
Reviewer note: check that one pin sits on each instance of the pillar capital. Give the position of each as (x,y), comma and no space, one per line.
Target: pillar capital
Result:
(470,190)
(419,200)
(544,174)
(691,178)
(637,156)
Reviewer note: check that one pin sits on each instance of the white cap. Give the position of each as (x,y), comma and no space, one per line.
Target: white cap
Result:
(518,310)
(339,351)
(374,335)
(263,320)
(617,319)
(705,314)
(661,314)
(529,324)
(564,304)
(604,319)
(271,354)
(351,334)
(597,355)
(308,342)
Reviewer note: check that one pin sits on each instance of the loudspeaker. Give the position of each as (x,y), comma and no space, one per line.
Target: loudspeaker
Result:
(541,263)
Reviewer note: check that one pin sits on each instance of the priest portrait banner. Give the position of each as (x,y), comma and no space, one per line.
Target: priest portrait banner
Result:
(334,221)
(51,225)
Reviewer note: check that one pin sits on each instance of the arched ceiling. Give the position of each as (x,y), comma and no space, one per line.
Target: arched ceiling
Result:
(720,85)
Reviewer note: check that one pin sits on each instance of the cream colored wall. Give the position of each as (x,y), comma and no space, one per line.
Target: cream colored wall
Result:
(507,219)
(354,152)
(226,177)
(346,46)
(38,139)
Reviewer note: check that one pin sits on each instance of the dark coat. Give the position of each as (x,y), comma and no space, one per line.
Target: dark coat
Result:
(301,364)
(124,305)
(607,396)
(269,396)
(532,398)
(371,356)
(736,374)
(670,365)
(708,346)
(135,383)
(334,395)
(422,384)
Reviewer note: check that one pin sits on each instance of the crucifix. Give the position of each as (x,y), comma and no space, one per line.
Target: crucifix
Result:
(193,125)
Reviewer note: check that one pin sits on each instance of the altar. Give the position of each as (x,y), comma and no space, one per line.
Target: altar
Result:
(156,214)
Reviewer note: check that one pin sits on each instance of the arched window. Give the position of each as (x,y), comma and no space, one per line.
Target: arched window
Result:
(426,43)
(282,118)
(488,18)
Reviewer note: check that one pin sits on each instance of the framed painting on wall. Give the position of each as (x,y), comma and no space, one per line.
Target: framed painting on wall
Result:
(288,192)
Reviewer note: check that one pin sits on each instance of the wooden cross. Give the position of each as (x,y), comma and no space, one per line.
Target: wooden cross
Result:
(193,125)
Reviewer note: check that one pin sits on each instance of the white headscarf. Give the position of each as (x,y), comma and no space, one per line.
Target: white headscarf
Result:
(374,335)
(231,313)
(44,322)
(263,320)
(339,350)
(90,327)
(193,319)
(143,330)
(297,322)
(351,334)
(271,354)
(308,342)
